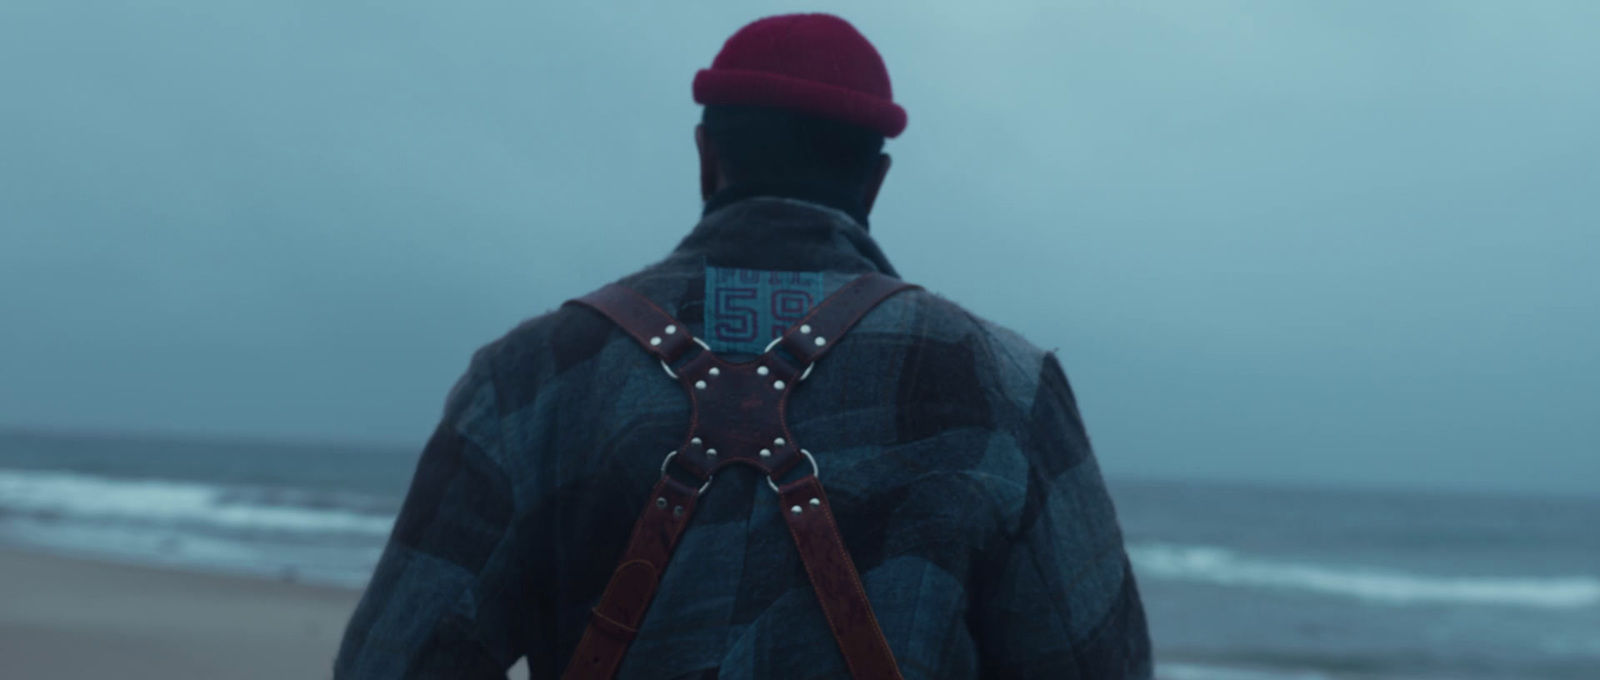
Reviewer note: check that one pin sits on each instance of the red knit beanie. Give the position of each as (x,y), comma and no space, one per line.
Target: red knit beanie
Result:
(811,63)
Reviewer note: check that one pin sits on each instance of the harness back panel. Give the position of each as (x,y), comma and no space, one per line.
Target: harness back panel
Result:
(738,418)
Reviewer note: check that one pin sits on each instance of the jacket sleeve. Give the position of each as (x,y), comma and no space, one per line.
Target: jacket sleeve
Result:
(442,601)
(1056,597)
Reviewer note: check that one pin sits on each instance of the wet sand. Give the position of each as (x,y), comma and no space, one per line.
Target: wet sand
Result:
(63,618)
(70,619)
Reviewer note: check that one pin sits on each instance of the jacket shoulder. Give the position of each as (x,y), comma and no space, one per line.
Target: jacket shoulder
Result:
(547,345)
(932,318)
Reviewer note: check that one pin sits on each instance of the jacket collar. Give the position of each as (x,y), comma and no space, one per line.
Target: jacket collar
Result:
(804,191)
(784,234)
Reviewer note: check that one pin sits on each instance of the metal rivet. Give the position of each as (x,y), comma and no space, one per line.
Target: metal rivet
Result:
(711,452)
(796,509)
(655,341)
(766,453)
(671,330)
(715,371)
(762,371)
(777,385)
(695,441)
(805,328)
(779,442)
(699,384)
(677,510)
(661,502)
(816,503)
(821,341)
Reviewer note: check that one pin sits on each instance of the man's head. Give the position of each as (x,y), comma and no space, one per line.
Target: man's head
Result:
(774,147)
(800,101)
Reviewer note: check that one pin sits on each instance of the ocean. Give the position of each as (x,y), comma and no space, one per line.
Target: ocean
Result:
(1241,582)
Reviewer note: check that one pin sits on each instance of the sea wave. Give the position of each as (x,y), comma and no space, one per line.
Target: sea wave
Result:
(72,496)
(339,563)
(1220,566)
(1189,671)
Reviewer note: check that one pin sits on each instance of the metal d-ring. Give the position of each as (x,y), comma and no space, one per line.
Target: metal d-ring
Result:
(704,486)
(774,343)
(814,470)
(673,373)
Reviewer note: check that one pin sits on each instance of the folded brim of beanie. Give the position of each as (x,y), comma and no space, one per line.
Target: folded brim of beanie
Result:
(756,88)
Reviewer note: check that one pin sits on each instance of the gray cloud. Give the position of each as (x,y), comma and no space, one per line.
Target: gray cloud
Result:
(1349,242)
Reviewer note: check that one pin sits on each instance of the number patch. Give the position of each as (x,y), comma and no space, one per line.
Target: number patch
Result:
(747,308)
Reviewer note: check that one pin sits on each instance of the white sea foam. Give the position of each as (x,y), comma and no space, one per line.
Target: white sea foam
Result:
(1187,671)
(1208,564)
(339,563)
(79,497)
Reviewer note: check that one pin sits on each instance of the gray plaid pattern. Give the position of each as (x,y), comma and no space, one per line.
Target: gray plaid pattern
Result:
(952,450)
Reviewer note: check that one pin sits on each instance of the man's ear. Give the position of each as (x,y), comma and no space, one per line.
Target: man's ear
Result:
(871,195)
(710,171)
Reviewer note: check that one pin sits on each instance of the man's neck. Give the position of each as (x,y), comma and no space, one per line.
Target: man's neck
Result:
(812,193)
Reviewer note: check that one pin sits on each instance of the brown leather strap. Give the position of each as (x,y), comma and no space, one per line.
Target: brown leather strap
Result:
(827,322)
(614,622)
(652,327)
(743,413)
(834,577)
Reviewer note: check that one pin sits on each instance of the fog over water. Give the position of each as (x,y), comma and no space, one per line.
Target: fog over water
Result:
(1287,241)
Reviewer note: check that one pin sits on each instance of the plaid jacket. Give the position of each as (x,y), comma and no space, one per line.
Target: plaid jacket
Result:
(952,451)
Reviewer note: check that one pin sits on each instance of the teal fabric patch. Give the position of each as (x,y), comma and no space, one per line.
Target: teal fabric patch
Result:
(747,308)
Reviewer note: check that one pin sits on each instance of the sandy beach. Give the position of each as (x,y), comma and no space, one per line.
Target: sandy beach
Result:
(66,619)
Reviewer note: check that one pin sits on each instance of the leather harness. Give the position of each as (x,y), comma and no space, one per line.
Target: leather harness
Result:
(738,418)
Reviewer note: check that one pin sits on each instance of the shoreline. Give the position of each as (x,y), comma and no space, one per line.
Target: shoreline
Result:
(74,617)
(69,618)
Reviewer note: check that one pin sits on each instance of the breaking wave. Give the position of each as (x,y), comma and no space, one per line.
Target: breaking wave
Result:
(70,496)
(1220,566)
(330,537)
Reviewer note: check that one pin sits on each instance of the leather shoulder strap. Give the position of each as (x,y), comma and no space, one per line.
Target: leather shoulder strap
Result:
(837,583)
(651,326)
(806,510)
(836,315)
(614,622)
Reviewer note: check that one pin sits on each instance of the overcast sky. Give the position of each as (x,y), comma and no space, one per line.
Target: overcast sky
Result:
(1355,242)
